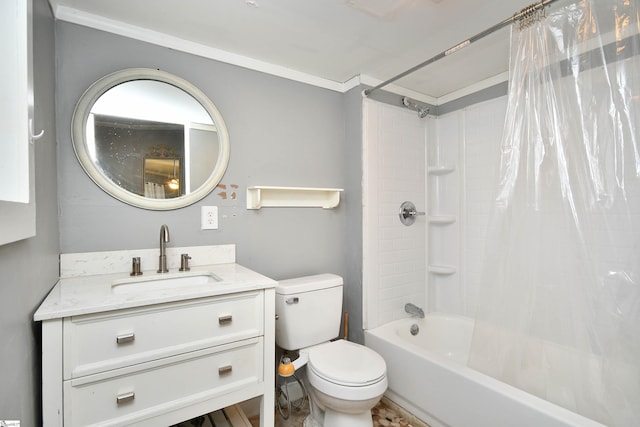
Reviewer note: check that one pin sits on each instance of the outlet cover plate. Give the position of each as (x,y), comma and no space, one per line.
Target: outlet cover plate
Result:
(209,218)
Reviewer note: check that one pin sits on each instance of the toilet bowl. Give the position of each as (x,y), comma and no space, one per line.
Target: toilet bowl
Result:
(344,379)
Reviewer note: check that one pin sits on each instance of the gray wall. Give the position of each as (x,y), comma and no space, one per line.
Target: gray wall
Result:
(30,267)
(282,133)
(353,238)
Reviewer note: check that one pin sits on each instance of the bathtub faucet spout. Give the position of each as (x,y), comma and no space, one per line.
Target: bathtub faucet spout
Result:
(413,310)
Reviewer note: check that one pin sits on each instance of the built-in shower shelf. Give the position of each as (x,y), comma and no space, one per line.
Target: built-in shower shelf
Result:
(262,196)
(442,270)
(442,219)
(441,169)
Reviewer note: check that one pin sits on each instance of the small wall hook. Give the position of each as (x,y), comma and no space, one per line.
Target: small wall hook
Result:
(32,135)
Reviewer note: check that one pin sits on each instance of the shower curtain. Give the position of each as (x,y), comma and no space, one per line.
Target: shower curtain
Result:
(559,311)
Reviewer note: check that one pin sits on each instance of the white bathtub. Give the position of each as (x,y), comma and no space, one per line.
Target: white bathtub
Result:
(428,376)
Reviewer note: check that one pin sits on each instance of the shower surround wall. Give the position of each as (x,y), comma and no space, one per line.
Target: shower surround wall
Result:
(464,163)
(447,166)
(394,159)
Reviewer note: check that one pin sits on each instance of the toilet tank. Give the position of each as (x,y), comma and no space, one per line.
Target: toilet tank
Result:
(308,310)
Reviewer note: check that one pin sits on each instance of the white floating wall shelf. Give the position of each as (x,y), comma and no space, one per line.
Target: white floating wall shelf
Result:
(262,196)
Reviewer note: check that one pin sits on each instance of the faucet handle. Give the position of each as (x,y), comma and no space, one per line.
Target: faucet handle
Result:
(135,266)
(184,262)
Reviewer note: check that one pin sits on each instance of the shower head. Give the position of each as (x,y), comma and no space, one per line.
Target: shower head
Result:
(412,105)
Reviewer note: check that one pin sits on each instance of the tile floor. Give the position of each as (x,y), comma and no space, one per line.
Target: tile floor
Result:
(385,414)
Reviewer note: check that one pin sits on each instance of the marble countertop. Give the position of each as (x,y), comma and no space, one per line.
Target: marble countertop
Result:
(86,294)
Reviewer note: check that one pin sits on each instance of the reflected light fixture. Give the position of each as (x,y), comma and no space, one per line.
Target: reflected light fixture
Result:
(173,183)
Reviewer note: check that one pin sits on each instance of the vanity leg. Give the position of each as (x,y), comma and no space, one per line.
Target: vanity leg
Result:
(52,415)
(267,404)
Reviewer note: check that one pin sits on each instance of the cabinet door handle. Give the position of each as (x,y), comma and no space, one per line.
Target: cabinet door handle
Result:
(224,370)
(125,397)
(225,320)
(125,338)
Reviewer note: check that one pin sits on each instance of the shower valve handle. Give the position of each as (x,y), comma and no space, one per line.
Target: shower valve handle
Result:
(408,213)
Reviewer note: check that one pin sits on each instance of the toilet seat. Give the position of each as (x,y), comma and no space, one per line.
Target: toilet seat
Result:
(347,370)
(346,363)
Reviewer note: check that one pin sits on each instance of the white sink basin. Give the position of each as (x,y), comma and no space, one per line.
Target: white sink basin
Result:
(163,282)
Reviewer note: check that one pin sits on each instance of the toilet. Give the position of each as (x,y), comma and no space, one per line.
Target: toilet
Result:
(344,379)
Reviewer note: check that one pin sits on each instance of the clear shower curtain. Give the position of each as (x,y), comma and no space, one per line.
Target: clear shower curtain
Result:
(559,311)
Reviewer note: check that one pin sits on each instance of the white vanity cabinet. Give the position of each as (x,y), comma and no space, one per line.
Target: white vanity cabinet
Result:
(156,361)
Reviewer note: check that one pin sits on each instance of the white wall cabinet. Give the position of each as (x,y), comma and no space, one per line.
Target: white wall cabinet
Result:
(17,192)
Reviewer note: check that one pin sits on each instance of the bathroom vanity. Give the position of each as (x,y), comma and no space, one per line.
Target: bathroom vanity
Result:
(155,349)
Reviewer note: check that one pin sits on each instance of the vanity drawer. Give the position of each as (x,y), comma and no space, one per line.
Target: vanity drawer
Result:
(100,342)
(129,395)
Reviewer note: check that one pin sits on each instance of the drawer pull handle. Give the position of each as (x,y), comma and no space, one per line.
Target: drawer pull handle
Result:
(225,370)
(225,320)
(125,397)
(123,339)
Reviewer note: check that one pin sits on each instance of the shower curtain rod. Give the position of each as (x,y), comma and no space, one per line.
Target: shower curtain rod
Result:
(524,14)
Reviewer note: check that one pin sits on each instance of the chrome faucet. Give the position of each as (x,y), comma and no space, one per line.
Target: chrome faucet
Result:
(164,238)
(413,310)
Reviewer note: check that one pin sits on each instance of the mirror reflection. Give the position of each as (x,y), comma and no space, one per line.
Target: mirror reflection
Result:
(141,120)
(154,142)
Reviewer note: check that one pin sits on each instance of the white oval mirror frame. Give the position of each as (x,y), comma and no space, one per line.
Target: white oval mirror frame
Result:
(79,127)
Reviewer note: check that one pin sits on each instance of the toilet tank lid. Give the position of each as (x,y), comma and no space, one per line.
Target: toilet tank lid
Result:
(308,283)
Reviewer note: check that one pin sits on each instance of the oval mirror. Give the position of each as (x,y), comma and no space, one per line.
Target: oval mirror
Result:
(150,139)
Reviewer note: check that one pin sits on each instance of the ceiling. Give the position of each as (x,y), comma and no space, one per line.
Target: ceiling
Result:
(323,42)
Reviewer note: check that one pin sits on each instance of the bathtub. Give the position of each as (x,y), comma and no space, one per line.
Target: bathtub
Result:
(428,376)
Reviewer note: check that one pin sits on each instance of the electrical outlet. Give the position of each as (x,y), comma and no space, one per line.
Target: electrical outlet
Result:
(209,218)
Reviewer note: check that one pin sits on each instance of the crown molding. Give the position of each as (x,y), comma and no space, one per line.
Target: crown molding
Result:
(75,16)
